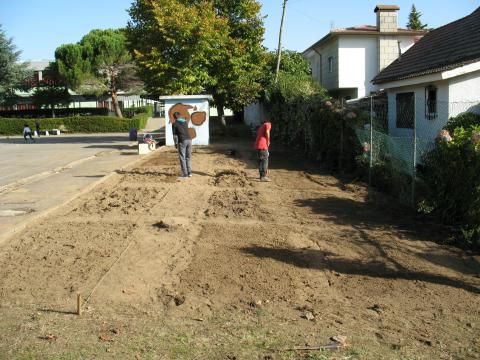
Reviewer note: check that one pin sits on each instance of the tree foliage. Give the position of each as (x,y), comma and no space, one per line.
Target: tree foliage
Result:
(414,21)
(51,96)
(99,63)
(198,46)
(292,62)
(12,74)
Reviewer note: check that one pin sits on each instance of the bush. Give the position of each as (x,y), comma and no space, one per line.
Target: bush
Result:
(305,120)
(47,113)
(131,112)
(78,124)
(462,121)
(451,175)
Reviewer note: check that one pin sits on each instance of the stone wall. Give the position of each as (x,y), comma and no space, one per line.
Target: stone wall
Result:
(387,51)
(387,21)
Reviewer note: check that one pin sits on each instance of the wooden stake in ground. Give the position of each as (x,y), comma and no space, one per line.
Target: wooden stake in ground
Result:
(79,304)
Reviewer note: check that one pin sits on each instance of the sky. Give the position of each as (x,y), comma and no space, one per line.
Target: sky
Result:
(38,27)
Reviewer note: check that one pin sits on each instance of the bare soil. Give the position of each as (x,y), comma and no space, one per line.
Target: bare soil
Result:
(222,266)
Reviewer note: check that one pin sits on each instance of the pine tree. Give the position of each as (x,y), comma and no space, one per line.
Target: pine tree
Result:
(414,21)
(12,73)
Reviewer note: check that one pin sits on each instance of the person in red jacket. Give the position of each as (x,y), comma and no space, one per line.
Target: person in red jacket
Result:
(262,144)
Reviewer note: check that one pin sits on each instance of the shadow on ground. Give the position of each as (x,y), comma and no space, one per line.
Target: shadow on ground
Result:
(320,260)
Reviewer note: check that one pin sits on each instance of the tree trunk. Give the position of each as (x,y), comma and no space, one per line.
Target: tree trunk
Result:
(221,115)
(116,105)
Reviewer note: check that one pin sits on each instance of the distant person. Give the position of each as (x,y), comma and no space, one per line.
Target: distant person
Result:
(27,132)
(262,144)
(183,143)
(37,127)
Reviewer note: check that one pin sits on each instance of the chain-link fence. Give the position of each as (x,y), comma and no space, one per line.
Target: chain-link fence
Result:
(396,132)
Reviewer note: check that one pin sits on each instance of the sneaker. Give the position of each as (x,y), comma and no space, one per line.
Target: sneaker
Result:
(189,175)
(264,179)
(182,177)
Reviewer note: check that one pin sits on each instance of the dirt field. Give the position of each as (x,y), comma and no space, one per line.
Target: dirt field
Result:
(222,266)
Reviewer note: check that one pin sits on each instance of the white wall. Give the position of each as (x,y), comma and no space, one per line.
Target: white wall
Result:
(464,93)
(406,42)
(253,114)
(329,80)
(214,111)
(358,63)
(203,131)
(427,129)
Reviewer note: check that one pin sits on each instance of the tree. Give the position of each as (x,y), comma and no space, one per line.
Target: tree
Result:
(99,63)
(51,96)
(293,63)
(198,46)
(414,21)
(13,75)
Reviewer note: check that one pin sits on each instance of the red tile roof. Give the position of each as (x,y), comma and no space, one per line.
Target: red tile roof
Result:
(367,30)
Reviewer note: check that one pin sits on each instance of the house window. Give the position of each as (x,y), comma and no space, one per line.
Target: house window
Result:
(330,64)
(405,110)
(431,102)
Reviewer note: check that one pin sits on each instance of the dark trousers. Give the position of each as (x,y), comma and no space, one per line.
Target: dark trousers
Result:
(185,156)
(28,134)
(263,162)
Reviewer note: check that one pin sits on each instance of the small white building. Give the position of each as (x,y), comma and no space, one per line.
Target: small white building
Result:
(345,60)
(438,78)
(193,108)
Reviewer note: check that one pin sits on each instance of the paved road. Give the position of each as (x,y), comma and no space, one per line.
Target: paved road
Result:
(37,178)
(21,160)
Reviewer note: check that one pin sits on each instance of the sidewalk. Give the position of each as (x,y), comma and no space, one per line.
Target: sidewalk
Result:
(26,200)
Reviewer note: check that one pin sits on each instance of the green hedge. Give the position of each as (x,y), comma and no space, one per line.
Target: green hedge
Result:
(465,121)
(452,183)
(77,124)
(131,112)
(304,119)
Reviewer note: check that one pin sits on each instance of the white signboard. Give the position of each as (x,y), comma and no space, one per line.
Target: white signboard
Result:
(195,109)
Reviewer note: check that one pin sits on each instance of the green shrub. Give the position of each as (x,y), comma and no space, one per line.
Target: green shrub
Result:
(452,182)
(304,121)
(462,121)
(77,124)
(131,112)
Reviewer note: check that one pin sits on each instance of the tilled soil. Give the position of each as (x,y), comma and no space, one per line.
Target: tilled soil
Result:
(222,266)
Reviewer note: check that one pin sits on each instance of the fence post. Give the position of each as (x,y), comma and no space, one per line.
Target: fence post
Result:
(371,142)
(414,167)
(340,157)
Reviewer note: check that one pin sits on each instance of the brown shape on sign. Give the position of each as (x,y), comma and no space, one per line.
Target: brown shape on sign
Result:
(192,132)
(199,117)
(180,108)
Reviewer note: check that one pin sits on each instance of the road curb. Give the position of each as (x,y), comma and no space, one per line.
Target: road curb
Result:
(31,220)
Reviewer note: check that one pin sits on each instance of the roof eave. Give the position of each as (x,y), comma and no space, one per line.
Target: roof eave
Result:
(333,34)
(424,72)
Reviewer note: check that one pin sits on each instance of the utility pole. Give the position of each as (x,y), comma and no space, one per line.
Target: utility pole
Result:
(279,50)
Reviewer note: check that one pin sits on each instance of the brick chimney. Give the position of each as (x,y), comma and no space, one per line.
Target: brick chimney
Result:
(387,18)
(387,46)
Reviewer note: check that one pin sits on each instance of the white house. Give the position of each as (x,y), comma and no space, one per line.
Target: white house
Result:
(345,60)
(437,78)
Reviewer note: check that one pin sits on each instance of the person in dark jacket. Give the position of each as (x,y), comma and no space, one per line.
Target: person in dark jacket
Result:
(37,127)
(183,143)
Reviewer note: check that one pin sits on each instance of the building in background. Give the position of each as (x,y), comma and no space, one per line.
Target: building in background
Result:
(40,74)
(346,60)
